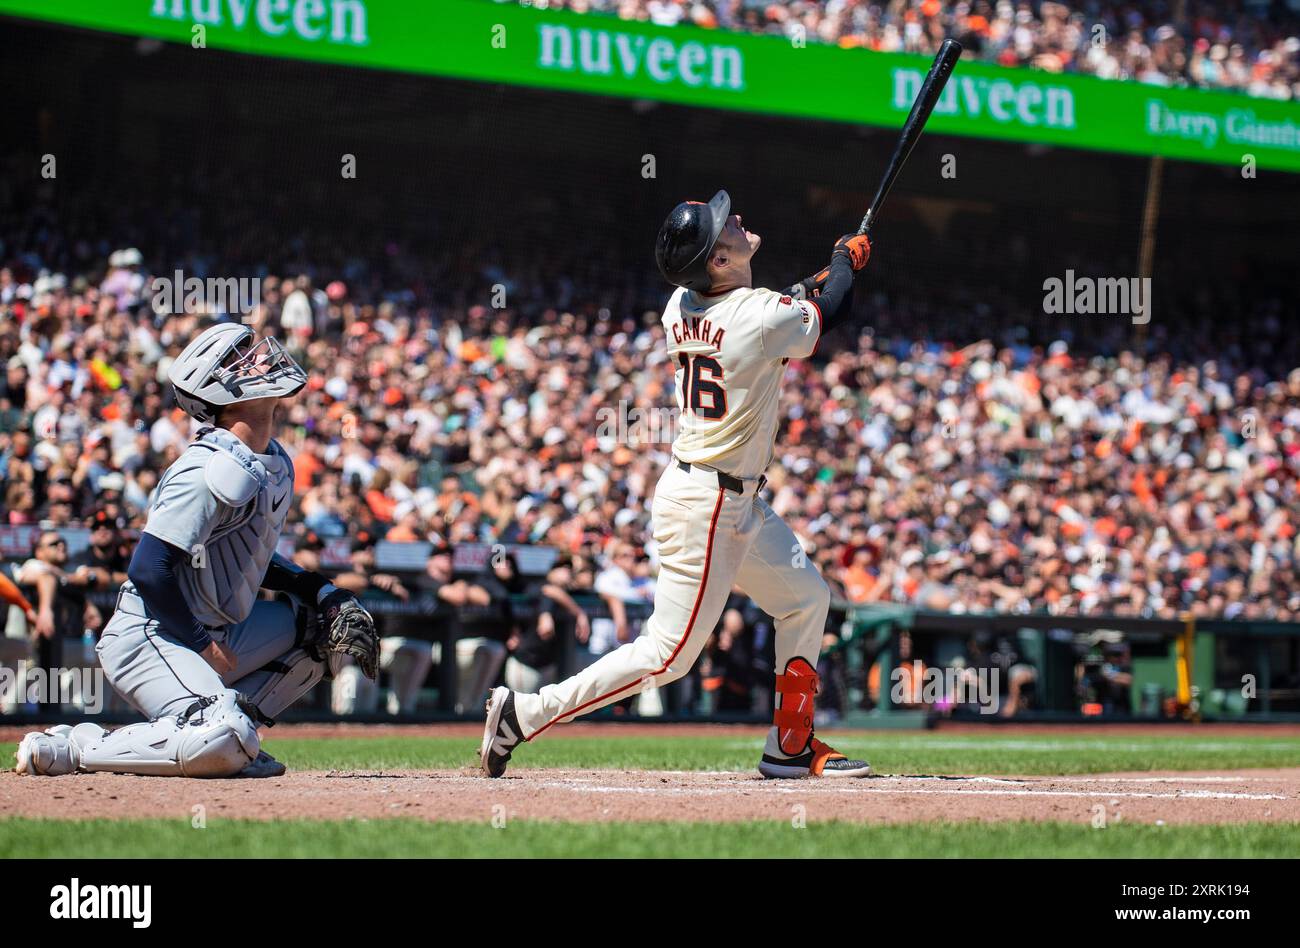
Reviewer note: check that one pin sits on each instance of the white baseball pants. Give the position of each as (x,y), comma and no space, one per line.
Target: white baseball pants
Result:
(710,539)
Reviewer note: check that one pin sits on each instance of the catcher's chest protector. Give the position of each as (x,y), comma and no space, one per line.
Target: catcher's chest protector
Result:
(256,492)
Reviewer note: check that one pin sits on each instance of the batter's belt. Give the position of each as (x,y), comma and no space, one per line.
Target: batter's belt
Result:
(725,481)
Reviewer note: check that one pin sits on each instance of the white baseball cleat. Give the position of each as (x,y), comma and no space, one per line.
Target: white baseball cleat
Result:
(501,732)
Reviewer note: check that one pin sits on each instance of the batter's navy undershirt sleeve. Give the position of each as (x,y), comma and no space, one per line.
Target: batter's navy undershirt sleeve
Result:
(155,572)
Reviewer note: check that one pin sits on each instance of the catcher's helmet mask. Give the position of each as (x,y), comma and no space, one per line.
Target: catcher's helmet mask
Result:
(223,365)
(686,240)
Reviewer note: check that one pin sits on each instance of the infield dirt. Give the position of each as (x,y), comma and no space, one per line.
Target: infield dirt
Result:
(608,795)
(1271,795)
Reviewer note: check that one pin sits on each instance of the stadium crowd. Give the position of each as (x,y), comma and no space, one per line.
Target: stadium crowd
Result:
(990,476)
(1252,47)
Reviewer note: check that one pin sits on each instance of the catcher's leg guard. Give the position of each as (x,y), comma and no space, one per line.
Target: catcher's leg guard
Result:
(215,738)
(797,753)
(281,682)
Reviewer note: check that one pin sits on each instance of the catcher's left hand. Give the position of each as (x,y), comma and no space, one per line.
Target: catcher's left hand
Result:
(348,629)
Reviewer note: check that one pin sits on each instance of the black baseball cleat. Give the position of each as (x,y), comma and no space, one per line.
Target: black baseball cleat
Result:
(819,760)
(501,732)
(264,765)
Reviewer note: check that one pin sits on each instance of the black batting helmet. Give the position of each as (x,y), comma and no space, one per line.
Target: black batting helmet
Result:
(686,239)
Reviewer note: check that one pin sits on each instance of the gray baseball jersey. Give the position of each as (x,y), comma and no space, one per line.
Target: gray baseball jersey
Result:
(225,505)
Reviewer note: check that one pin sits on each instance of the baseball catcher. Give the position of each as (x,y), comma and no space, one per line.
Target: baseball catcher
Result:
(190,645)
(729,342)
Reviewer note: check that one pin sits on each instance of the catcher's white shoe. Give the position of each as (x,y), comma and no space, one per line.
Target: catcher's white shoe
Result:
(56,750)
(49,753)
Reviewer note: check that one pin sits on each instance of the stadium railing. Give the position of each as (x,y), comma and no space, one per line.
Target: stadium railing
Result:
(1185,669)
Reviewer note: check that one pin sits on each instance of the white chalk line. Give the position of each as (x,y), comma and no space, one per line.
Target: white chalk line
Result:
(915,791)
(1161,779)
(1072,778)
(1043,744)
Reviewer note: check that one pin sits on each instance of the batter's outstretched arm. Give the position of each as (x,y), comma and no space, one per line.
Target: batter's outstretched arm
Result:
(155,571)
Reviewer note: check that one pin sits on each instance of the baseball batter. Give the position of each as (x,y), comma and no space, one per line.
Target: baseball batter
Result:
(729,342)
(190,646)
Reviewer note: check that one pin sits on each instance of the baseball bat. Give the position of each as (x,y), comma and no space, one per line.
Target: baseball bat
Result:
(935,80)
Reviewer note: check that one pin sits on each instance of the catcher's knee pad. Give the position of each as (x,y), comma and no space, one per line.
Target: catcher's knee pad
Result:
(214,738)
(281,682)
(220,746)
(796,691)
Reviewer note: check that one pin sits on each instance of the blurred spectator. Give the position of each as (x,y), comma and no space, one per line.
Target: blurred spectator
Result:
(730,666)
(1104,680)
(619,583)
(62,611)
(15,638)
(404,661)
(535,649)
(482,622)
(903,686)
(106,558)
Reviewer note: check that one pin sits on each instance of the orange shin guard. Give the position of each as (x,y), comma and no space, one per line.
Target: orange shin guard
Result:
(797,690)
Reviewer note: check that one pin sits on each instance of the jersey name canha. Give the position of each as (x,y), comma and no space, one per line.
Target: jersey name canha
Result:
(729,352)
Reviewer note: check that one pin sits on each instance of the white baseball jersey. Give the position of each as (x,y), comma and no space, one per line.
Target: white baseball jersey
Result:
(730,352)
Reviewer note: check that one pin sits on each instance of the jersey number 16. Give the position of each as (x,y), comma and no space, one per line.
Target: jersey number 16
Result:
(704,395)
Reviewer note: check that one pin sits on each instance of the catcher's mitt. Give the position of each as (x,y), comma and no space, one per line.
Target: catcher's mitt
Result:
(347,629)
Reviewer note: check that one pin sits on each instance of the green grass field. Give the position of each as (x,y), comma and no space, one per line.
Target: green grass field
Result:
(404,838)
(889,752)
